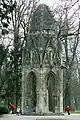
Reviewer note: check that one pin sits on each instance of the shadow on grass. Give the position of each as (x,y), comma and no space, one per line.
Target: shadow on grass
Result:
(53,119)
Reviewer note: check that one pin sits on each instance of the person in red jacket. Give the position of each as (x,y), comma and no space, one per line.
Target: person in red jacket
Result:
(12,108)
(68,110)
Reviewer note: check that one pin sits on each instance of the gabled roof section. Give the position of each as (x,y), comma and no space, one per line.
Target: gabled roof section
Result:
(42,18)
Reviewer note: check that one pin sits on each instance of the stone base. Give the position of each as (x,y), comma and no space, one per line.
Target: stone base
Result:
(44,114)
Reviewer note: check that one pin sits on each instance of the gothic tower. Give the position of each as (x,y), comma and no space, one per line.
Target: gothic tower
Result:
(42,76)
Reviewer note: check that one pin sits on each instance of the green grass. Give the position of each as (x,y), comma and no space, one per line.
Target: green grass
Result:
(77,112)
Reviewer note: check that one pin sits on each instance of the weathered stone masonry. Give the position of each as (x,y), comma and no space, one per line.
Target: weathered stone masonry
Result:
(42,76)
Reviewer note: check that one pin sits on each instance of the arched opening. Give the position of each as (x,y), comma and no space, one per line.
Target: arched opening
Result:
(32,91)
(52,92)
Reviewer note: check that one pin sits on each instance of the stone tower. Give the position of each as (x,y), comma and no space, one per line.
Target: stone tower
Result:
(42,76)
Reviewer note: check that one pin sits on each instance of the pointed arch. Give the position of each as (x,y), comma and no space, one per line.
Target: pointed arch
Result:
(52,90)
(32,90)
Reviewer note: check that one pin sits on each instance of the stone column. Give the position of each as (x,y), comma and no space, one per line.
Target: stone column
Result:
(31,55)
(41,94)
(61,90)
(47,101)
(23,92)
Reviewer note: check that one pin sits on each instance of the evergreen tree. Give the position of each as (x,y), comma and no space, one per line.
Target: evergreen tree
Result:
(5,10)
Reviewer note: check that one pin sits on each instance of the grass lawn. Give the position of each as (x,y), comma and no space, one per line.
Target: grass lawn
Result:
(76,111)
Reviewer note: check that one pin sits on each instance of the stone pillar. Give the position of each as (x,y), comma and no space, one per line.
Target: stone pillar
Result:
(41,94)
(61,90)
(31,55)
(47,101)
(25,97)
(23,92)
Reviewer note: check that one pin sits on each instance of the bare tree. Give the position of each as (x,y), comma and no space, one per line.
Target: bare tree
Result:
(69,31)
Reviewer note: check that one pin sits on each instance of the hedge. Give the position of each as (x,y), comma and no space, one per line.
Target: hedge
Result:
(4,110)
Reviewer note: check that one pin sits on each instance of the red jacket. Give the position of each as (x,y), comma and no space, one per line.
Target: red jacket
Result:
(67,109)
(12,107)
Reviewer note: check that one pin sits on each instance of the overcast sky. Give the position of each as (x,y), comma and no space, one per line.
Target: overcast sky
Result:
(49,2)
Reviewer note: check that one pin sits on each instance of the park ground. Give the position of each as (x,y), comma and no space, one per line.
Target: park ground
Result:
(24,117)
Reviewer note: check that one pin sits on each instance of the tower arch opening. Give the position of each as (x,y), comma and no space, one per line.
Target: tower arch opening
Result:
(52,91)
(32,91)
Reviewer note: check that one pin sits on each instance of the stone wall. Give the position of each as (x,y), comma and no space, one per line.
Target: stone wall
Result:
(42,94)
